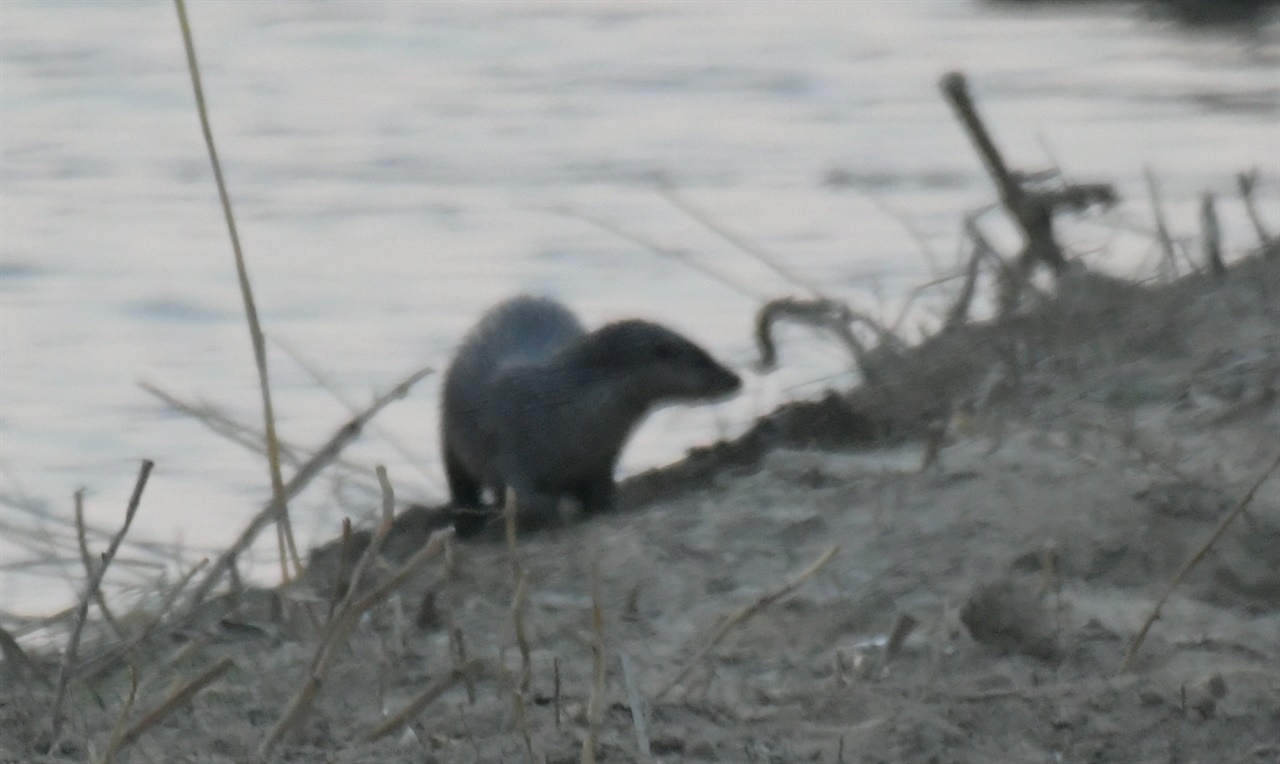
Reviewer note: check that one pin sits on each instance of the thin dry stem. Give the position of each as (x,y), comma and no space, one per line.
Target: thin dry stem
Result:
(1195,559)
(95,581)
(322,379)
(669,193)
(117,732)
(318,461)
(280,502)
(637,708)
(679,255)
(340,626)
(1211,234)
(596,701)
(96,667)
(519,603)
(1246,182)
(745,613)
(1162,226)
(423,699)
(177,699)
(98,597)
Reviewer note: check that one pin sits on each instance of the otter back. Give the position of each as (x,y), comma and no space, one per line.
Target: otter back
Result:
(534,403)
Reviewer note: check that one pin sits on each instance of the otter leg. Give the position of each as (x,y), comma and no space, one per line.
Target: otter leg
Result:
(464,488)
(469,517)
(596,495)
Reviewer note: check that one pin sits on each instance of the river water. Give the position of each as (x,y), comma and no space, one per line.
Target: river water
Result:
(397,167)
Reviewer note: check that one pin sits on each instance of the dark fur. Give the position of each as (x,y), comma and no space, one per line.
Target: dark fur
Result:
(534,403)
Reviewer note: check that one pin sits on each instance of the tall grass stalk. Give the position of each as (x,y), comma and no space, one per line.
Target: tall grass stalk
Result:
(284,529)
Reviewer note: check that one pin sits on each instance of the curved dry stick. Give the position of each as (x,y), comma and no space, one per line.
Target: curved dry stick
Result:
(822,313)
(1195,559)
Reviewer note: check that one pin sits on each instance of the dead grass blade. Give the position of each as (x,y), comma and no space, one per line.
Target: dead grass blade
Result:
(596,701)
(176,699)
(637,708)
(423,699)
(280,502)
(1194,560)
(348,613)
(95,667)
(95,581)
(669,193)
(679,255)
(1211,234)
(305,474)
(745,613)
(117,732)
(1245,183)
(519,604)
(98,596)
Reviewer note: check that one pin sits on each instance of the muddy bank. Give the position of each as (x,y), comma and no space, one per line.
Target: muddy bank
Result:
(976,609)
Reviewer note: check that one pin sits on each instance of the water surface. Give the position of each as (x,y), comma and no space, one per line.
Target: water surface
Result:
(397,167)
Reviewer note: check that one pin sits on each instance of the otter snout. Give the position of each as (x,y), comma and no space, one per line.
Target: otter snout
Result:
(703,379)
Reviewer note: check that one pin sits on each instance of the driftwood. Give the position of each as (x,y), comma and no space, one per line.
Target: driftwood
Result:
(1030,208)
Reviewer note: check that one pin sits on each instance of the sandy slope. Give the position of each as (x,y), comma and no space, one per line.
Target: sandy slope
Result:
(1074,482)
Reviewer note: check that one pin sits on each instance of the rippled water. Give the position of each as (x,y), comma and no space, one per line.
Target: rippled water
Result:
(397,167)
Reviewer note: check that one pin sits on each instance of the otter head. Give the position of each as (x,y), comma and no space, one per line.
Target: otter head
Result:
(657,364)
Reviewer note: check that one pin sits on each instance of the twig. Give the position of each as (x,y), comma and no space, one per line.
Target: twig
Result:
(337,630)
(958,314)
(832,315)
(176,699)
(1012,196)
(520,582)
(1221,528)
(637,708)
(669,193)
(596,701)
(73,645)
(423,699)
(1162,226)
(742,615)
(1246,182)
(318,461)
(1033,212)
(555,673)
(913,231)
(519,601)
(280,502)
(95,667)
(679,255)
(83,543)
(20,663)
(324,381)
(1211,232)
(117,732)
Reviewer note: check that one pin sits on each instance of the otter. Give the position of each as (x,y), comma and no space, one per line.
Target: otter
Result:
(535,403)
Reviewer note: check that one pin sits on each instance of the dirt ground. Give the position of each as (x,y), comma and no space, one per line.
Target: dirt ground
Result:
(1091,448)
